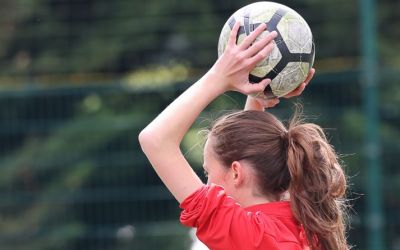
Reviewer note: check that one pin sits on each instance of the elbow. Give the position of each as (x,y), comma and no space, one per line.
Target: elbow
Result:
(153,142)
(143,136)
(146,140)
(150,141)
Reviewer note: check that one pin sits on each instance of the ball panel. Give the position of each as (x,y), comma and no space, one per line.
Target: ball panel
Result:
(311,61)
(223,38)
(240,38)
(305,69)
(263,67)
(296,33)
(266,6)
(259,13)
(289,78)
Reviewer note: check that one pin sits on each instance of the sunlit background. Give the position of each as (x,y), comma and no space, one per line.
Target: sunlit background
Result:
(80,78)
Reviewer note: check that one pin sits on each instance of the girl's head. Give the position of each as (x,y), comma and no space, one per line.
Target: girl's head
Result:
(271,159)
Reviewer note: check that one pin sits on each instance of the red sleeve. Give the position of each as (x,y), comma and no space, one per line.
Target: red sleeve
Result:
(221,222)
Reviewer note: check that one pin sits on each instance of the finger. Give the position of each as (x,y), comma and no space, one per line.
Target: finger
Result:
(258,46)
(261,55)
(233,35)
(253,36)
(297,91)
(272,102)
(265,83)
(302,86)
(310,76)
(256,88)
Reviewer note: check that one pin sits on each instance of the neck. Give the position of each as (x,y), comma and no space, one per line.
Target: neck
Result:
(251,198)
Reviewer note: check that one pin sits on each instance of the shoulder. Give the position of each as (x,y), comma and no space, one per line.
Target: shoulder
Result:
(223,224)
(279,224)
(205,201)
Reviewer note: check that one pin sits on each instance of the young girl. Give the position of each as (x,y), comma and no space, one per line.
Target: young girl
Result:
(269,186)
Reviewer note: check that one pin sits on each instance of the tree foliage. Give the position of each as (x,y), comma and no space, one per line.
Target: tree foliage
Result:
(72,175)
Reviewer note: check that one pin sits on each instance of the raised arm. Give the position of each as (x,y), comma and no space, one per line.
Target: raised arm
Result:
(160,140)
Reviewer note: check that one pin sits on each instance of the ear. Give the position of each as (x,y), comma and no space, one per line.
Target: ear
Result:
(237,172)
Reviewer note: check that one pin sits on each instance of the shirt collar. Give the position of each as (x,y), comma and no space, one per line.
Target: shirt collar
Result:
(277,208)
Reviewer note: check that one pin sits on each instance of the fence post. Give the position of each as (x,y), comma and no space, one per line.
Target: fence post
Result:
(372,150)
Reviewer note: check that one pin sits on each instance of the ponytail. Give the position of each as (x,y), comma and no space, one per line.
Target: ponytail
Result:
(297,159)
(317,185)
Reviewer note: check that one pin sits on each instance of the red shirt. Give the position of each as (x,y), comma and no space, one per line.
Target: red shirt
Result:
(223,224)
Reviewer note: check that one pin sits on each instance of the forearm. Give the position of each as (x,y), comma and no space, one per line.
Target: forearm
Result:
(253,104)
(172,124)
(160,140)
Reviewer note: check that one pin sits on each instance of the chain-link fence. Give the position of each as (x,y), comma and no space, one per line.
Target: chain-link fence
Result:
(80,78)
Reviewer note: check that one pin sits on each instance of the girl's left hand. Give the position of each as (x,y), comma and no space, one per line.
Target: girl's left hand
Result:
(259,103)
(302,86)
(233,67)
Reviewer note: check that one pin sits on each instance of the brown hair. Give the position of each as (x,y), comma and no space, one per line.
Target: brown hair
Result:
(297,159)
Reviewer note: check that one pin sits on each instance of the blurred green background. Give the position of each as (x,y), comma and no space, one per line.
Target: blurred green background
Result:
(80,78)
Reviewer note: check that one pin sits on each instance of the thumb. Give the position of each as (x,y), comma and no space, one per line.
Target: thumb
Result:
(253,88)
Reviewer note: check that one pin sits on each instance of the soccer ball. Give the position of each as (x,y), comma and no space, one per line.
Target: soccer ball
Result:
(292,57)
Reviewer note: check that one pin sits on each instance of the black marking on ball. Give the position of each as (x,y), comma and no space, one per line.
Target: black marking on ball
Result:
(246,22)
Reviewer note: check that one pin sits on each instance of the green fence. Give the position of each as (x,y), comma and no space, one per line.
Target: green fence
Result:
(73,176)
(80,79)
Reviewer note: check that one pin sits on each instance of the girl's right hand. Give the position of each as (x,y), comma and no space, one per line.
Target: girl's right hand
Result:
(233,67)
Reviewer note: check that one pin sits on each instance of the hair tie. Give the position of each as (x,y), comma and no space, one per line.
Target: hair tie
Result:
(285,139)
(284,135)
